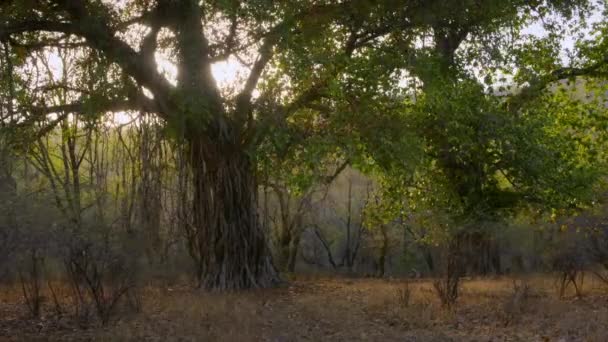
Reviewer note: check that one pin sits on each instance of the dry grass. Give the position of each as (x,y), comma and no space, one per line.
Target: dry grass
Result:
(333,309)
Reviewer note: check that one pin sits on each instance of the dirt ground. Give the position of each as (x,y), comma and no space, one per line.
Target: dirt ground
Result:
(331,310)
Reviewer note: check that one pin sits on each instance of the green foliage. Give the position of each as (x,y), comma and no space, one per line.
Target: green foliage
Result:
(484,161)
(403,91)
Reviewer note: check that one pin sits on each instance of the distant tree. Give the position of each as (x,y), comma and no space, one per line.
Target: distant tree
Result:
(292,191)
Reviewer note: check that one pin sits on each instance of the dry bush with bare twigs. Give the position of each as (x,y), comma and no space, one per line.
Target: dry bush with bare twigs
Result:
(404,295)
(447,285)
(31,280)
(100,277)
(515,302)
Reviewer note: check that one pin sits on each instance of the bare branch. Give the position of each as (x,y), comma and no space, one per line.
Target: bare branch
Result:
(326,246)
(329,179)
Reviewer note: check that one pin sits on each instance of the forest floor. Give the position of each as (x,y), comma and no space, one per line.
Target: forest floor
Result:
(339,309)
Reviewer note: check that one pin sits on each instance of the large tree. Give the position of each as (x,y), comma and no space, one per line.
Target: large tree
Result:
(491,149)
(118,45)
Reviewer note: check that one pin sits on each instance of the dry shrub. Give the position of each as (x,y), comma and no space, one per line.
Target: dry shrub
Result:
(404,295)
(447,286)
(405,306)
(420,315)
(570,277)
(423,312)
(31,281)
(570,263)
(56,301)
(516,301)
(447,289)
(99,279)
(602,276)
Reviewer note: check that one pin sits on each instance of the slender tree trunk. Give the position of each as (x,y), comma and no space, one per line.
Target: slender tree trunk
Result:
(229,243)
(428,258)
(293,254)
(383,252)
(495,257)
(294,241)
(347,252)
(285,231)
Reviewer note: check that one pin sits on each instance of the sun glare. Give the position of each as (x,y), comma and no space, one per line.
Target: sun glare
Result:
(229,73)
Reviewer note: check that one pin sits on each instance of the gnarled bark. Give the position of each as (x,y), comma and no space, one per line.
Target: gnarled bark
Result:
(226,239)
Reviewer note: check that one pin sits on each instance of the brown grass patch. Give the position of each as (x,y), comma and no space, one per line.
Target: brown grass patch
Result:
(337,309)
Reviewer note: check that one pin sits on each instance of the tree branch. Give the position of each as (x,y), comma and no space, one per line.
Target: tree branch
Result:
(326,246)
(56,43)
(229,44)
(536,86)
(33,114)
(95,29)
(36,25)
(243,102)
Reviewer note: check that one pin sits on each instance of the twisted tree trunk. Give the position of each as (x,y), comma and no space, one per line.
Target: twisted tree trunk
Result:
(229,243)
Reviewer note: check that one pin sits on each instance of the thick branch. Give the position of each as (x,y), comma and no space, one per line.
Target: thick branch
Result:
(39,113)
(148,46)
(330,179)
(55,43)
(355,40)
(95,29)
(194,67)
(243,104)
(36,25)
(539,84)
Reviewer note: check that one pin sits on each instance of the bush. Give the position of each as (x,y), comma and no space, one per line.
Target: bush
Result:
(598,250)
(31,281)
(515,302)
(404,295)
(448,285)
(100,277)
(570,265)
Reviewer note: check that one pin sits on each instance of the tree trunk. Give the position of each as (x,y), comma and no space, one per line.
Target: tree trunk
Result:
(383,252)
(428,258)
(347,253)
(495,258)
(227,240)
(285,231)
(293,254)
